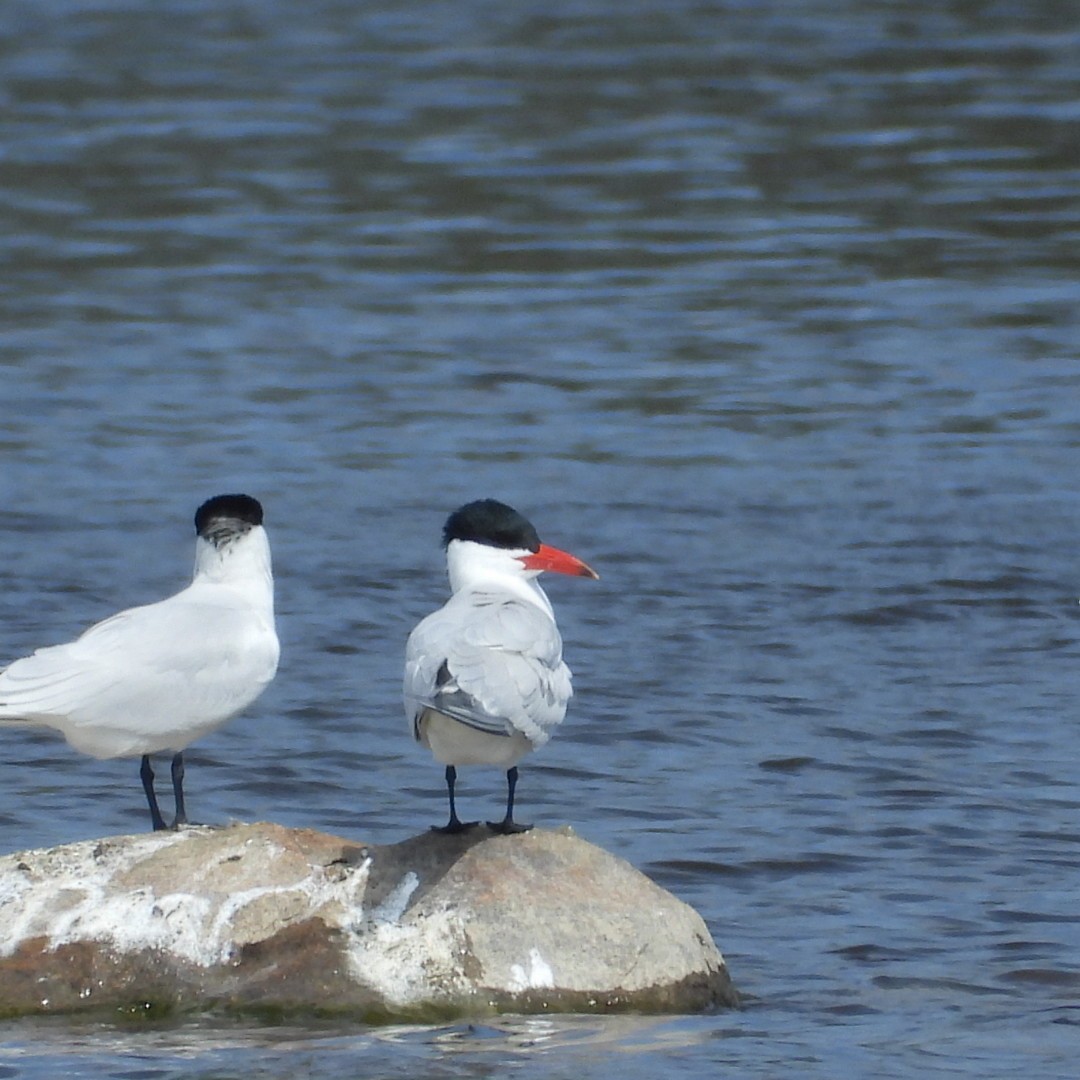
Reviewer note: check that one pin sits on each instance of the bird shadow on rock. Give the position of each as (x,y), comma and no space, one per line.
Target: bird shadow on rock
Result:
(429,855)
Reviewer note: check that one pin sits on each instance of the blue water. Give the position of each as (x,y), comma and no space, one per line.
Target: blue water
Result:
(769,312)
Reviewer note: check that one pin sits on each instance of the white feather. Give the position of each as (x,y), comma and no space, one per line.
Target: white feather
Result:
(489,662)
(157,677)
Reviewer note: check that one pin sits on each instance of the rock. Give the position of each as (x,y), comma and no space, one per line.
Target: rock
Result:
(260,917)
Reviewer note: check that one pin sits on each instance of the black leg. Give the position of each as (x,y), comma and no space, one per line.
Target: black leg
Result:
(178,790)
(508,824)
(455,824)
(146,774)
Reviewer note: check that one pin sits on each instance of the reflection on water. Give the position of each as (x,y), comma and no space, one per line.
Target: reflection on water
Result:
(216,1049)
(770,313)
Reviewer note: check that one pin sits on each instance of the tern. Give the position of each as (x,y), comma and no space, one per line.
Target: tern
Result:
(485,681)
(157,677)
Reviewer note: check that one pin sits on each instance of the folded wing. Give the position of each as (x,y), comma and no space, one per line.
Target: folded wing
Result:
(149,676)
(491,661)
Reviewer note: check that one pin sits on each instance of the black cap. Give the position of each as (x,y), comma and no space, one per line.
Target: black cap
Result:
(234,507)
(488,521)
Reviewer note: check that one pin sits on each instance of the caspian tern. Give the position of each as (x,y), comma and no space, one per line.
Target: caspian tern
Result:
(158,677)
(485,681)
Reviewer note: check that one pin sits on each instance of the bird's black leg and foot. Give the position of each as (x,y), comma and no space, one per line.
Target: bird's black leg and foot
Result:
(146,774)
(455,824)
(178,790)
(508,825)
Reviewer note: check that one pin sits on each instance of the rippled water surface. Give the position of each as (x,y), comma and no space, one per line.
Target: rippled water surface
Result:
(768,311)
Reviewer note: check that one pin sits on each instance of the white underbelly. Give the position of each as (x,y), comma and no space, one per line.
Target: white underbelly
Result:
(455,743)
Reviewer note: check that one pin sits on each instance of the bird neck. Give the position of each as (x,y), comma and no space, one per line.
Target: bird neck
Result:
(242,564)
(477,567)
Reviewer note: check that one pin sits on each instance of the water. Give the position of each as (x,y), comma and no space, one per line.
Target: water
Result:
(769,312)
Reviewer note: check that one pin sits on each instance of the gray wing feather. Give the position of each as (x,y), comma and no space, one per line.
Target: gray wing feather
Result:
(493,662)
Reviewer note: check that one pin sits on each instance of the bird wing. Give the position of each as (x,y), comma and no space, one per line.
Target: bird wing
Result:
(153,672)
(492,661)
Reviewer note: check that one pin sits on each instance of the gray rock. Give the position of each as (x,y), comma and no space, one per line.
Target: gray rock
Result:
(264,918)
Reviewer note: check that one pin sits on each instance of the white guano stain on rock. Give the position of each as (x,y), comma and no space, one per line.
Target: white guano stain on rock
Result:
(76,899)
(536,975)
(393,907)
(261,915)
(60,892)
(405,960)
